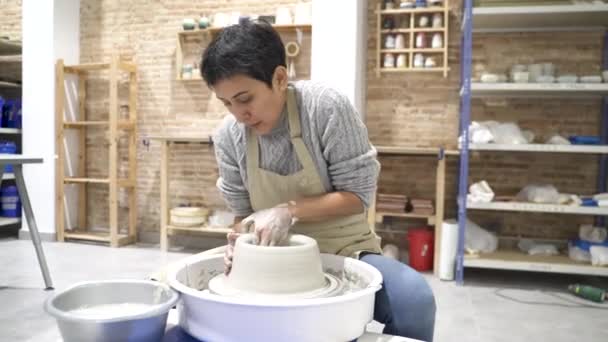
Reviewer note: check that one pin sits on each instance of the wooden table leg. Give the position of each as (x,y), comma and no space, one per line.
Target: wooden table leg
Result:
(31,222)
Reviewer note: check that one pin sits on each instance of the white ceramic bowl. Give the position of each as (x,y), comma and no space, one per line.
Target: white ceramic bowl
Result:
(211,317)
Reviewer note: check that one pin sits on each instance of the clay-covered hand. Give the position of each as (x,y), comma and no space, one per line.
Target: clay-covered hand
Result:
(271,226)
(237,230)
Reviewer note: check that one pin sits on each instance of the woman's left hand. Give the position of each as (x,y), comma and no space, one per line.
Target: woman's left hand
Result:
(271,226)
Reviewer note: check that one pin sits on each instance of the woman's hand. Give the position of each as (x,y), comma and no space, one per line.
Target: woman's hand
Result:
(271,226)
(237,230)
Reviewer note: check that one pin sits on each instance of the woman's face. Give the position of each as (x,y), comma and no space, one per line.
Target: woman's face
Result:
(252,102)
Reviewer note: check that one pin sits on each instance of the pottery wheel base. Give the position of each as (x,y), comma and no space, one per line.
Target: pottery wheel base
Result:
(333,286)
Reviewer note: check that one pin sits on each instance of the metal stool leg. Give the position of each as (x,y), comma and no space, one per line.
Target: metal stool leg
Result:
(31,222)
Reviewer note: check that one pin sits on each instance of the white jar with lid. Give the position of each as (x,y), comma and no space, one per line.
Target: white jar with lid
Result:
(389,61)
(421,40)
(437,41)
(437,20)
(389,41)
(418,60)
(401,61)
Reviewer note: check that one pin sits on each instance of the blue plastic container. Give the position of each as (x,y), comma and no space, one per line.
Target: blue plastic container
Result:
(7,106)
(11,203)
(588,202)
(8,147)
(585,245)
(11,114)
(584,140)
(18,115)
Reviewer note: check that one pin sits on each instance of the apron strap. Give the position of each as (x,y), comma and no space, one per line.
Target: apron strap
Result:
(295,132)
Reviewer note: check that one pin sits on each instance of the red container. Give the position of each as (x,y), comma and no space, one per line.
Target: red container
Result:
(421,242)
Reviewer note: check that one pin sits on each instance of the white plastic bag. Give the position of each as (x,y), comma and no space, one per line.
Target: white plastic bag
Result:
(570,199)
(578,254)
(533,248)
(508,133)
(599,255)
(480,192)
(590,233)
(539,193)
(391,251)
(478,239)
(558,140)
(479,133)
(221,219)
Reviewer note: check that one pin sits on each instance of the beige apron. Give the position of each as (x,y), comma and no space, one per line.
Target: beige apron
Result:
(346,236)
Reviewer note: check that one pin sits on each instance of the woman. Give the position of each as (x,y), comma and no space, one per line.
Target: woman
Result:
(295,157)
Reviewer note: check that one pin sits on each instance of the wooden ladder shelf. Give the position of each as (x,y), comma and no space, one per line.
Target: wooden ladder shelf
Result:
(114,237)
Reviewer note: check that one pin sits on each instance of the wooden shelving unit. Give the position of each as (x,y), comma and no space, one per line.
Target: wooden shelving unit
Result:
(208,33)
(406,23)
(166,228)
(435,219)
(111,127)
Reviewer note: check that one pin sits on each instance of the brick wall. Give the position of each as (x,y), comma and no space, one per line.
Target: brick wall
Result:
(146,33)
(402,109)
(10,25)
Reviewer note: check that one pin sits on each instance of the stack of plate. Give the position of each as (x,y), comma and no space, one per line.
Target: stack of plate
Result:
(189,216)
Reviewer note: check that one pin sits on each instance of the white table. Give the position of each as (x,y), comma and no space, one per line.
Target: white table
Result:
(17,161)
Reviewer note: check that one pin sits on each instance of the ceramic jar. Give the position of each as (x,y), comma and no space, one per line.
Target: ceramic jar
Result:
(423,21)
(400,41)
(437,41)
(203,22)
(437,20)
(388,23)
(421,40)
(389,61)
(188,24)
(389,41)
(401,61)
(187,71)
(418,60)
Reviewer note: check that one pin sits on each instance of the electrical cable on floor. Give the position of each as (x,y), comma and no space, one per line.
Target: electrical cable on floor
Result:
(575,301)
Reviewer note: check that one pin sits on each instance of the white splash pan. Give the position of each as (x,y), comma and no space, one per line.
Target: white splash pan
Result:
(214,318)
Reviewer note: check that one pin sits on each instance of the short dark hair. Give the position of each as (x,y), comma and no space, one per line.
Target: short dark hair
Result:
(249,48)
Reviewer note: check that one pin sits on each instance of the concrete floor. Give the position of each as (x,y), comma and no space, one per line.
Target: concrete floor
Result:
(492,306)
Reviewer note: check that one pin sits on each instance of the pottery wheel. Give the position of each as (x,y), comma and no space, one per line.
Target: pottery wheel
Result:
(333,287)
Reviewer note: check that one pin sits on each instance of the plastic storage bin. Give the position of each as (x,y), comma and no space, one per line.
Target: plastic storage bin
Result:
(8,147)
(11,203)
(421,242)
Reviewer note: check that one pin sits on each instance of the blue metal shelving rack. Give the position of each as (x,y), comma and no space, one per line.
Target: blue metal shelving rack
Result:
(465,119)
(466,56)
